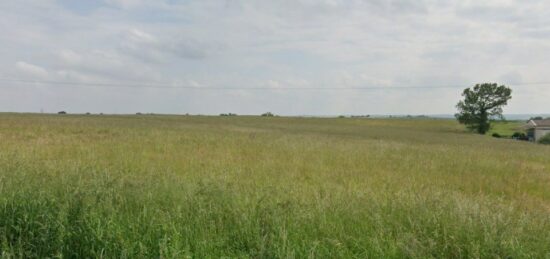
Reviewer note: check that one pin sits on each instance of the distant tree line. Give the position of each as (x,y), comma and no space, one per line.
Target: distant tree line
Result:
(267,114)
(539,118)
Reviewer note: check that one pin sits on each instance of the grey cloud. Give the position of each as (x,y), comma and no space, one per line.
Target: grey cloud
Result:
(537,33)
(491,13)
(150,48)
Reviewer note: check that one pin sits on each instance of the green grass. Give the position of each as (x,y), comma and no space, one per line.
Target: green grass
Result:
(240,187)
(506,128)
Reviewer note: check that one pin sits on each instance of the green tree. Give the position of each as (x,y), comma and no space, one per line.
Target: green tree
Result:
(480,104)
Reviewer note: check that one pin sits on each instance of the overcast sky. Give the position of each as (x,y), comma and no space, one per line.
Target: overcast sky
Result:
(275,44)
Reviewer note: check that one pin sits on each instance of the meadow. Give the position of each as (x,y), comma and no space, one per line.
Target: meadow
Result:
(151,186)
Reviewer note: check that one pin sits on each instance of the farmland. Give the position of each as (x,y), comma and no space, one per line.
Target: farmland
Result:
(268,187)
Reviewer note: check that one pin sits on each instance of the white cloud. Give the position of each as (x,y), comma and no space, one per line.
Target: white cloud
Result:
(126,4)
(287,43)
(70,57)
(140,36)
(31,70)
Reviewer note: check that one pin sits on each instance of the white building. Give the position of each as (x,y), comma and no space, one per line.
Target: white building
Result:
(536,129)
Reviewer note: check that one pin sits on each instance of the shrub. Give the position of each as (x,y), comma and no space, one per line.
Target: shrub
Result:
(545,140)
(62,112)
(519,136)
(228,114)
(268,114)
(496,135)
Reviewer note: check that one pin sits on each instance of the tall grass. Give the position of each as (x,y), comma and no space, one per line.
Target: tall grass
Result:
(209,187)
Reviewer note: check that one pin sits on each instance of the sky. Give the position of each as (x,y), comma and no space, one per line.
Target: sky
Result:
(199,56)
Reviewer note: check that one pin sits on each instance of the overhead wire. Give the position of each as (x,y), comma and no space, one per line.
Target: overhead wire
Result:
(157,85)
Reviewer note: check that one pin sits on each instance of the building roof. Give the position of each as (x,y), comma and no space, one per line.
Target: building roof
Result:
(539,123)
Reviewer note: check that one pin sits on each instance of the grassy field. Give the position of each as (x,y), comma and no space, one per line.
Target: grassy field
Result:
(506,128)
(239,187)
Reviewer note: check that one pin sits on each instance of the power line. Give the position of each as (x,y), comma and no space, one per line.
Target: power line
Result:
(171,86)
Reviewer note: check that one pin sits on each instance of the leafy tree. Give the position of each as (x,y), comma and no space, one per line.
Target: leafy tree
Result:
(481,103)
